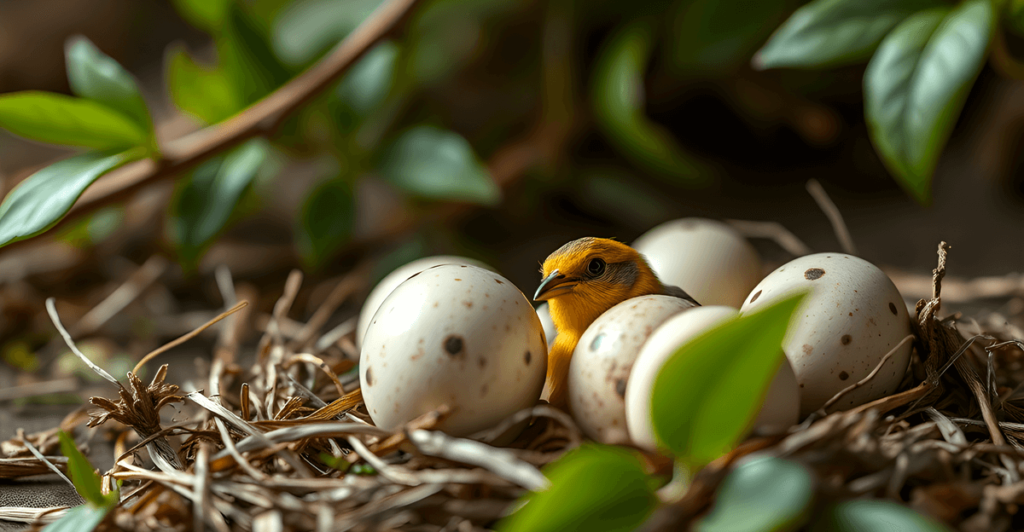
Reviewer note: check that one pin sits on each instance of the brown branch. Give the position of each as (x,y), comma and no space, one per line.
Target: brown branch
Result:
(262,118)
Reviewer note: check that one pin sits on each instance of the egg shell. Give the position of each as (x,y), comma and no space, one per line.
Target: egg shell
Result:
(781,405)
(851,318)
(544,313)
(708,259)
(397,277)
(602,361)
(456,335)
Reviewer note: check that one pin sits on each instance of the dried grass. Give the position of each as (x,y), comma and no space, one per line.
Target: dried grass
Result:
(285,443)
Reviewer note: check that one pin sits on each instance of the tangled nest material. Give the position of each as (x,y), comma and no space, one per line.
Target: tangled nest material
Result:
(286,444)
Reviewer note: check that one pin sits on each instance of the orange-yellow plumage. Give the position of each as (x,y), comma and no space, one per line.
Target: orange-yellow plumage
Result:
(582,280)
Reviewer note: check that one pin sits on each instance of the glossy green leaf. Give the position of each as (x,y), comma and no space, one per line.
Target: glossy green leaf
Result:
(618,107)
(765,494)
(59,119)
(42,199)
(593,489)
(95,76)
(710,390)
(719,35)
(868,514)
(202,208)
(247,57)
(205,93)
(86,480)
(437,164)
(916,84)
(326,221)
(207,15)
(827,33)
(368,83)
(308,28)
(84,518)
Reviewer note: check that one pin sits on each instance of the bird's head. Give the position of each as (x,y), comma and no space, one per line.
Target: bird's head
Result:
(588,276)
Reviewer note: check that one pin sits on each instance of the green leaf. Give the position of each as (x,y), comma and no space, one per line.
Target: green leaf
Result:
(207,15)
(202,208)
(84,518)
(867,514)
(95,76)
(710,390)
(326,221)
(205,93)
(368,83)
(308,28)
(437,164)
(828,33)
(765,494)
(719,35)
(618,107)
(87,482)
(593,489)
(42,199)
(916,84)
(59,119)
(247,57)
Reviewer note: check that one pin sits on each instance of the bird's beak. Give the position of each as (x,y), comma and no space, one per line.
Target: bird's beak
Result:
(554,285)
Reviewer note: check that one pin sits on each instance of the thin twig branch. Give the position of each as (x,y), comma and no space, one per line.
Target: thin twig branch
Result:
(262,118)
(835,217)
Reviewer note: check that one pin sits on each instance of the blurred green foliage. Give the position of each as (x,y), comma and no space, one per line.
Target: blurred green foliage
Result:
(763,494)
(88,484)
(593,489)
(391,115)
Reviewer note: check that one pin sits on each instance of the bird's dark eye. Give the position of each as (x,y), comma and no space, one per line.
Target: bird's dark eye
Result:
(596,267)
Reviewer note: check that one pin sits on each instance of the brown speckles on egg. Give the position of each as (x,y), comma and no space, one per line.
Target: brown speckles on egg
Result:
(469,304)
(755,296)
(846,339)
(813,274)
(843,375)
(892,308)
(807,349)
(453,345)
(482,362)
(369,376)
(620,388)
(483,389)
(498,281)
(527,357)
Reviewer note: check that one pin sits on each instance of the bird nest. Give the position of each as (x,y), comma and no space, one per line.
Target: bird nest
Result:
(286,443)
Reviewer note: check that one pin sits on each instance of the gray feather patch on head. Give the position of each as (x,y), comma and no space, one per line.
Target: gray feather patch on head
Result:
(624,273)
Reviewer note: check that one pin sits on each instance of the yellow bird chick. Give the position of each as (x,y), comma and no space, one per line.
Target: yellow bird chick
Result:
(583,279)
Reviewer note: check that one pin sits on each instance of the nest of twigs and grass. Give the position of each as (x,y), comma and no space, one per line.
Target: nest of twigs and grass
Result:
(283,442)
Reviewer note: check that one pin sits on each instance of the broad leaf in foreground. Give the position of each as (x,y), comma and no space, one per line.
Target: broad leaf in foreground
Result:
(709,391)
(593,489)
(42,199)
(916,84)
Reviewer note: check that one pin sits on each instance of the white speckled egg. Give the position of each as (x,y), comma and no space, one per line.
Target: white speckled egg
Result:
(853,315)
(781,405)
(544,313)
(708,259)
(395,278)
(457,335)
(602,361)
